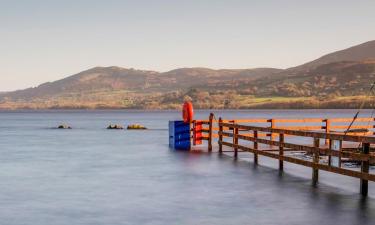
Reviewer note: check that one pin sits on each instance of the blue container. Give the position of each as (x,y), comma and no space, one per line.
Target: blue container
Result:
(179,135)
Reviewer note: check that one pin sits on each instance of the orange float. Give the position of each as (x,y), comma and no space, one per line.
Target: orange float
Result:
(187,112)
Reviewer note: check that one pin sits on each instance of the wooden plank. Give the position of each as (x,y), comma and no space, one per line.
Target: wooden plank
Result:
(352,127)
(341,120)
(301,127)
(312,134)
(247,121)
(304,120)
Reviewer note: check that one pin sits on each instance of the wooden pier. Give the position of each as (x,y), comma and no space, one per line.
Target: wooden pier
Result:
(323,142)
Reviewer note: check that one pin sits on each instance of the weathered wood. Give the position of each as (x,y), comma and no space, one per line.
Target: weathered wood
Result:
(352,127)
(246,121)
(365,169)
(220,135)
(301,127)
(317,129)
(342,137)
(235,141)
(342,171)
(273,125)
(327,129)
(340,120)
(255,146)
(315,170)
(211,118)
(304,120)
(281,151)
(309,149)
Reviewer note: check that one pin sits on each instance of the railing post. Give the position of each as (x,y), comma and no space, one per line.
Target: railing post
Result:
(273,125)
(235,142)
(220,135)
(255,147)
(315,171)
(365,169)
(330,153)
(327,129)
(281,152)
(210,121)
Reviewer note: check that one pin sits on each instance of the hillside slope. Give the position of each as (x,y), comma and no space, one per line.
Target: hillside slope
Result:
(110,79)
(361,52)
(340,79)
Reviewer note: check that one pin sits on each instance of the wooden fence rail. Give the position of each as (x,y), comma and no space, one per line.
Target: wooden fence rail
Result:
(315,150)
(260,132)
(210,128)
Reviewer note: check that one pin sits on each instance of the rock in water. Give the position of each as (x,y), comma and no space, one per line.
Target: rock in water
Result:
(115,127)
(136,127)
(64,126)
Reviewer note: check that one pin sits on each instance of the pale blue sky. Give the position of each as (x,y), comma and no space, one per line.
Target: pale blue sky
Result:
(47,40)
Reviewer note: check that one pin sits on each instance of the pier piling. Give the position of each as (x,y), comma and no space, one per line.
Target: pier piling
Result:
(365,169)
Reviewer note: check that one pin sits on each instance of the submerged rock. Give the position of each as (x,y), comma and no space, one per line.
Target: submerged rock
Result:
(136,127)
(115,127)
(64,126)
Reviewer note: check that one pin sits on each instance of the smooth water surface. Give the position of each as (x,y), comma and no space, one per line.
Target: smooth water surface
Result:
(90,175)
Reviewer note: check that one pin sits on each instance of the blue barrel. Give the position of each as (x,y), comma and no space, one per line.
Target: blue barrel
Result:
(179,135)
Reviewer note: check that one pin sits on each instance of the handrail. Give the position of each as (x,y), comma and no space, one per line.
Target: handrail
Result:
(316,151)
(342,137)
(209,128)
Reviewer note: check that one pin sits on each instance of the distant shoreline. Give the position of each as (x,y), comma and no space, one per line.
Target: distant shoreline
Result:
(172,110)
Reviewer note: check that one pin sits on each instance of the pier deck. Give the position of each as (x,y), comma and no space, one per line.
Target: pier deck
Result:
(322,143)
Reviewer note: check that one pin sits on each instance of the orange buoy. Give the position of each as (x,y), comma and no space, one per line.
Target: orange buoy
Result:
(187,112)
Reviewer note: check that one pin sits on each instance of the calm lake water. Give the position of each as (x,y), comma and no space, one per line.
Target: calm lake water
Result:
(90,175)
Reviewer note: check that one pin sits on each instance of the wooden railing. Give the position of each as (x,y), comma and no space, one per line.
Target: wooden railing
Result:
(277,138)
(363,155)
(209,128)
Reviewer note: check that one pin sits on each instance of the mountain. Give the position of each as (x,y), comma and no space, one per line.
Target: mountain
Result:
(108,79)
(337,80)
(93,80)
(119,87)
(360,52)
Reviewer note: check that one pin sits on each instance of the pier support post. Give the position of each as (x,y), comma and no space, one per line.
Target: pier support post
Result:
(315,171)
(327,129)
(365,169)
(235,141)
(273,125)
(210,122)
(281,152)
(220,136)
(255,147)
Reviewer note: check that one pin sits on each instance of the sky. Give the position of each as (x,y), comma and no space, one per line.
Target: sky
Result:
(43,41)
